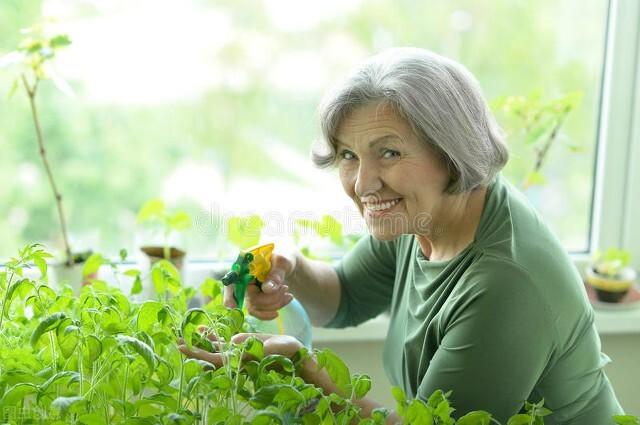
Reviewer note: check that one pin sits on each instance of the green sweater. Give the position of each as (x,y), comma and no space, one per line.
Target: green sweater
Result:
(506,320)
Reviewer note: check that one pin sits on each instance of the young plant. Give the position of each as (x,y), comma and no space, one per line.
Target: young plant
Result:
(537,124)
(611,262)
(155,213)
(33,56)
(97,358)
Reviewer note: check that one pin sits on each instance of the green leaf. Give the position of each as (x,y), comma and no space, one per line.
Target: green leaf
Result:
(123,254)
(47,324)
(418,414)
(148,315)
(361,385)
(519,419)
(68,336)
(41,264)
(626,420)
(477,417)
(18,393)
(57,378)
(137,286)
(244,232)
(179,221)
(165,277)
(152,209)
(331,228)
(23,288)
(60,40)
(92,348)
(211,288)
(221,382)
(289,394)
(265,395)
(67,405)
(336,368)
(141,348)
(132,273)
(271,360)
(254,347)
(92,264)
(193,319)
(399,395)
(266,417)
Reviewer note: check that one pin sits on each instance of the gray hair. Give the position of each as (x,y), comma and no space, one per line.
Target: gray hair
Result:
(441,100)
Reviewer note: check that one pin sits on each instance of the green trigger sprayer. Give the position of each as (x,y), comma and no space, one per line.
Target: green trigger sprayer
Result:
(253,266)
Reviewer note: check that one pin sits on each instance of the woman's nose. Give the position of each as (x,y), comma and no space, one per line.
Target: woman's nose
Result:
(367,180)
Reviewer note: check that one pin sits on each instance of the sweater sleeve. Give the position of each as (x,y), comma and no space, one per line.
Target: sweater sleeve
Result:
(367,275)
(496,341)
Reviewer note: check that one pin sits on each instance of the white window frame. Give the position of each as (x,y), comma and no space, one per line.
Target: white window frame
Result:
(617,182)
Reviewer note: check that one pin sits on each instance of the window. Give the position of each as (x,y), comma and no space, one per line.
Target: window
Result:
(210,105)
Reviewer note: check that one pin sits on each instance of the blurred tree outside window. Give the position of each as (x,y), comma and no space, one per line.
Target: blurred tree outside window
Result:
(211,106)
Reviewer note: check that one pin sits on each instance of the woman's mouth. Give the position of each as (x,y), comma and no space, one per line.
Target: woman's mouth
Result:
(378,208)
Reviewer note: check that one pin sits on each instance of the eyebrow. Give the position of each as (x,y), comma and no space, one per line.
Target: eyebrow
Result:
(374,142)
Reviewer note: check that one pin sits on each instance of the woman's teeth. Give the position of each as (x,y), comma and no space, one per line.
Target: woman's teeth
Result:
(381,206)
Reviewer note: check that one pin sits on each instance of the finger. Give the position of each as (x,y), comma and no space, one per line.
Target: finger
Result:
(264,315)
(242,337)
(261,300)
(228,299)
(270,286)
(216,359)
(274,306)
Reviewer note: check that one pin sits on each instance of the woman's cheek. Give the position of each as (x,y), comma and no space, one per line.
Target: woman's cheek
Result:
(347,178)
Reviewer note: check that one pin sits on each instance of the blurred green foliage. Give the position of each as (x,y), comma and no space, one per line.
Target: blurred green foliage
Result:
(117,155)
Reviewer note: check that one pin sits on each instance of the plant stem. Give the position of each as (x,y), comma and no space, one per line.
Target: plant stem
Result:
(4,300)
(180,384)
(53,352)
(542,153)
(80,368)
(31,92)
(166,251)
(124,391)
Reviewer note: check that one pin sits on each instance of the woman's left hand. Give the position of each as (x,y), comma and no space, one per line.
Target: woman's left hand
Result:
(272,344)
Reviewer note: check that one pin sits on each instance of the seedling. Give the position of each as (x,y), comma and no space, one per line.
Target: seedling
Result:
(155,213)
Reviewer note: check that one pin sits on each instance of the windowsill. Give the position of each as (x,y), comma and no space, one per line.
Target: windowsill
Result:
(607,323)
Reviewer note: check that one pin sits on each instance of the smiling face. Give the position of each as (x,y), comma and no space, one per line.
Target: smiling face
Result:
(394,178)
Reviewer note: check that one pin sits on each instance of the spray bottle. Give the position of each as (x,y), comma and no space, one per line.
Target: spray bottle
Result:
(252,266)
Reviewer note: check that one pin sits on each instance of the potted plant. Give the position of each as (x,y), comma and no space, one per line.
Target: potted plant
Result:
(156,215)
(610,274)
(32,57)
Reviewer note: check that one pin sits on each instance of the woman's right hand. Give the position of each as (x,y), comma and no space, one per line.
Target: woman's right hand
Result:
(265,301)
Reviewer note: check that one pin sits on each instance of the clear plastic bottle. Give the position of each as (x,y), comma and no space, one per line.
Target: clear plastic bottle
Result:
(292,320)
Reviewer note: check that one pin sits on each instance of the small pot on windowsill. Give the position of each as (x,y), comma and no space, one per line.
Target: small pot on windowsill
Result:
(65,273)
(611,289)
(157,253)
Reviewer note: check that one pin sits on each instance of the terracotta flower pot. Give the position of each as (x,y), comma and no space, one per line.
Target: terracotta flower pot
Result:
(611,289)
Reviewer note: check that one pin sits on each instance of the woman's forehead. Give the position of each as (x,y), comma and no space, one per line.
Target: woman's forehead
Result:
(372,121)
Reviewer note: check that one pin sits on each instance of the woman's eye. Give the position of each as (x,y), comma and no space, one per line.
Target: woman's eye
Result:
(347,155)
(390,153)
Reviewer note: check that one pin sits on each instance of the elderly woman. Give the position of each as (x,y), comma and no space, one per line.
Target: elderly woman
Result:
(483,299)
